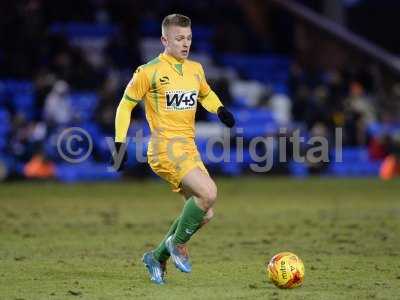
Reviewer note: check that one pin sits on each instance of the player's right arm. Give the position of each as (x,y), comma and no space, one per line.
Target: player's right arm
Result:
(133,94)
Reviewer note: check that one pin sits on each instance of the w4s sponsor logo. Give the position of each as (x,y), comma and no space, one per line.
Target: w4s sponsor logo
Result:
(181,100)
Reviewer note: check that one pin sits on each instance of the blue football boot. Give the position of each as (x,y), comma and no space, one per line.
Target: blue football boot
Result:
(179,255)
(156,269)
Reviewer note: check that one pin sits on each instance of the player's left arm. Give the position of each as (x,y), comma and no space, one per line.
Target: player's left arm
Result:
(210,101)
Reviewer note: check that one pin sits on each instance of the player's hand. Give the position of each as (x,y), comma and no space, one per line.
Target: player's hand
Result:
(226,117)
(119,156)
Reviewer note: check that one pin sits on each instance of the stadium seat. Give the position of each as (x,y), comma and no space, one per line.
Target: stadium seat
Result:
(271,69)
(3,143)
(17,86)
(246,116)
(3,93)
(203,36)
(253,122)
(355,154)
(356,162)
(379,129)
(149,27)
(88,171)
(297,169)
(20,93)
(83,104)
(5,124)
(24,103)
(80,29)
(231,168)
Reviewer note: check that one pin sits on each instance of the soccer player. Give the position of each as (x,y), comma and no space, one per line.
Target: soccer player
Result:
(171,86)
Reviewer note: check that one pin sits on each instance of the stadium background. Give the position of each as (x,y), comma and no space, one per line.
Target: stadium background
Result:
(65,64)
(275,63)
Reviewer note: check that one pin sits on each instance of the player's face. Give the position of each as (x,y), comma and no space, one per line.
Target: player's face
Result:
(177,41)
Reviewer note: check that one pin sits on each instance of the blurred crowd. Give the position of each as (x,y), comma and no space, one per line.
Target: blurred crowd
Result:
(321,96)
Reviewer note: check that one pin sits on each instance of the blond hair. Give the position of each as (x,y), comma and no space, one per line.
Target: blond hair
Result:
(175,20)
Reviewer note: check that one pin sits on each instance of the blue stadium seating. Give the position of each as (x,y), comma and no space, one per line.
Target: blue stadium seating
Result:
(253,121)
(231,168)
(5,127)
(50,145)
(3,93)
(5,124)
(270,69)
(83,104)
(149,27)
(20,94)
(24,104)
(87,171)
(246,116)
(356,162)
(13,86)
(379,129)
(297,169)
(87,30)
(203,36)
(12,165)
(3,143)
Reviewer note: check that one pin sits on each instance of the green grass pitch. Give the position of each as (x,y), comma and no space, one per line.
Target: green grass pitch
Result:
(85,241)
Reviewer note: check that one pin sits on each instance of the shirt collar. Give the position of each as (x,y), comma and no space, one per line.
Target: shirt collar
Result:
(176,64)
(170,59)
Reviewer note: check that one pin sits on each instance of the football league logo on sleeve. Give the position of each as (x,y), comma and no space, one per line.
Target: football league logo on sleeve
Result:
(181,100)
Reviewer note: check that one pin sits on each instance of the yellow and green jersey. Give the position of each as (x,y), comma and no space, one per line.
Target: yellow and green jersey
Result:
(170,90)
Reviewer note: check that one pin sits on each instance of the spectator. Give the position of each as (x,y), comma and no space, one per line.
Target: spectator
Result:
(281,105)
(57,110)
(39,167)
(390,167)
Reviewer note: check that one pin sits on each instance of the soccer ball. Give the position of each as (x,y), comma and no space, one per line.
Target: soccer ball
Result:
(286,270)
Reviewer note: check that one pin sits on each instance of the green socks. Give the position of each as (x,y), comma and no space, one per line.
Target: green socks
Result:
(183,228)
(161,253)
(189,222)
